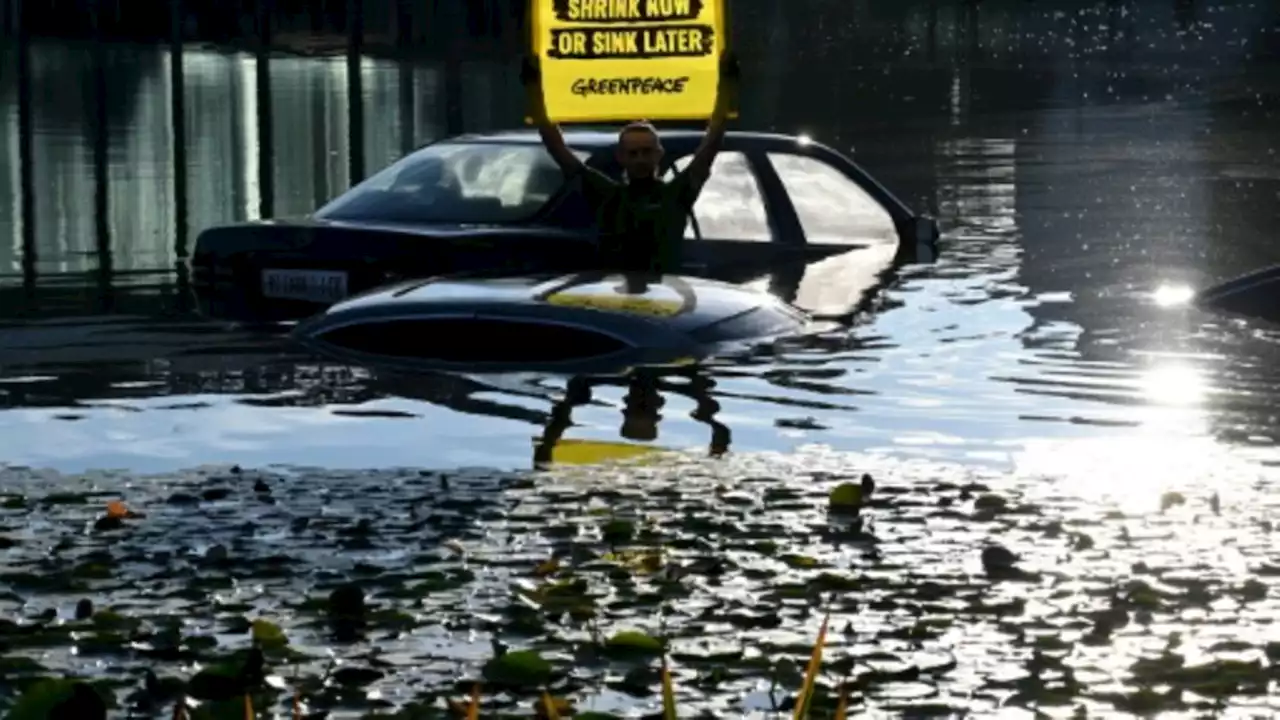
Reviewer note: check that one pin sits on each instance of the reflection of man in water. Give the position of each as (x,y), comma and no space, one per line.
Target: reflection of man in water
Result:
(641,409)
(641,219)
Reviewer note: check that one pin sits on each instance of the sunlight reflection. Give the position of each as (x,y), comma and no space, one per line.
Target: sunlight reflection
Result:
(1132,471)
(1171,295)
(1174,385)
(1173,448)
(981,181)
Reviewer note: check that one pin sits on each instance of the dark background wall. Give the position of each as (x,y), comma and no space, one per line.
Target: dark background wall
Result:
(430,27)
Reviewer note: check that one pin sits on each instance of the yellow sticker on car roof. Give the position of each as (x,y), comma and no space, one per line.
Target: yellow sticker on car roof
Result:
(634,304)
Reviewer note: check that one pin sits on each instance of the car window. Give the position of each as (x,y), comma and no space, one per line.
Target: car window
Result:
(731,206)
(455,183)
(831,206)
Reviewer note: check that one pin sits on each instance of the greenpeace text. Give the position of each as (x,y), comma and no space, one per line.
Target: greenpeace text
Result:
(585,87)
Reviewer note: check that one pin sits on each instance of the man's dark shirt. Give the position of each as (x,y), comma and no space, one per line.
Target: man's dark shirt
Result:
(641,222)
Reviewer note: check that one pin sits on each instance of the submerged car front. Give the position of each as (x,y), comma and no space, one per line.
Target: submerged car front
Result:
(492,325)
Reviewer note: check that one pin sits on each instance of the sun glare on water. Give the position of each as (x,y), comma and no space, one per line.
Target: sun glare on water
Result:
(1172,295)
(1179,385)
(1169,447)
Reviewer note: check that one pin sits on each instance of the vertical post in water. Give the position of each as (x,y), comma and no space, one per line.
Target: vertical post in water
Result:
(408,109)
(26,168)
(407,24)
(453,88)
(974,31)
(266,124)
(405,76)
(178,125)
(355,91)
(931,31)
(319,142)
(101,142)
(316,12)
(426,32)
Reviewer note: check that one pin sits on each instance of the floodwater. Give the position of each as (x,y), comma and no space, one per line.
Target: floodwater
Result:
(1080,182)
(1088,164)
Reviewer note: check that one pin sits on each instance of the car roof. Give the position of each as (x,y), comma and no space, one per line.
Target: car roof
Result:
(596,137)
(715,300)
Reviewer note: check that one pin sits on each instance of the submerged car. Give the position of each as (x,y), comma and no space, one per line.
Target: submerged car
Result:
(1253,295)
(498,202)
(586,323)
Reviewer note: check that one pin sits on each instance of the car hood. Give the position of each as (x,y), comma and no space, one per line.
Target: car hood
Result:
(682,303)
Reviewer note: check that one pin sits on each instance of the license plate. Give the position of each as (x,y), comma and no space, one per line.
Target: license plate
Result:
(321,286)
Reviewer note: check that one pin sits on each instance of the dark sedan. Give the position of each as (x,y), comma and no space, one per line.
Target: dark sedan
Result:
(497,202)
(585,323)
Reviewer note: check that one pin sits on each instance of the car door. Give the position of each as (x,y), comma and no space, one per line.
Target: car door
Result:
(734,230)
(835,213)
(851,238)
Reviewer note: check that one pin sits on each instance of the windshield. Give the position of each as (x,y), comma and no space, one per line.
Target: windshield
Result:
(455,183)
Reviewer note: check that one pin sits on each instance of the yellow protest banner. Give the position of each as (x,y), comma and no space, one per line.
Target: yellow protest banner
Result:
(623,60)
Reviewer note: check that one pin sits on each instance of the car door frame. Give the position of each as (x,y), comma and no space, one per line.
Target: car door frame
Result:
(745,258)
(917,234)
(783,199)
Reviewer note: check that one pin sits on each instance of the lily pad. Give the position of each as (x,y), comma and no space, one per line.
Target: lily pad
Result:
(518,669)
(618,531)
(845,498)
(800,561)
(229,709)
(356,676)
(111,620)
(60,697)
(633,643)
(268,635)
(216,683)
(990,502)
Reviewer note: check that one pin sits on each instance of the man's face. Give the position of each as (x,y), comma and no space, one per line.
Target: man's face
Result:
(639,153)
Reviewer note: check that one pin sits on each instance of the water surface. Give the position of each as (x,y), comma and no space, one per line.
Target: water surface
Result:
(1040,386)
(1078,188)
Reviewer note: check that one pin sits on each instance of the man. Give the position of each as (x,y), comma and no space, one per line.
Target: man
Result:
(641,218)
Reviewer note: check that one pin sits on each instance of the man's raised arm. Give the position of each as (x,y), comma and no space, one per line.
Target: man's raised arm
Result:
(699,168)
(552,139)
